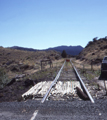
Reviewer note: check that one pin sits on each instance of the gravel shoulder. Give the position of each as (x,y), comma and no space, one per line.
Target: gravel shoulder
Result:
(54,110)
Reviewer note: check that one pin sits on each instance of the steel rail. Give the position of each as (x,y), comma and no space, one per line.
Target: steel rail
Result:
(90,97)
(53,83)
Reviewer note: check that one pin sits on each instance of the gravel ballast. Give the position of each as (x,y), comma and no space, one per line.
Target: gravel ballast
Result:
(54,110)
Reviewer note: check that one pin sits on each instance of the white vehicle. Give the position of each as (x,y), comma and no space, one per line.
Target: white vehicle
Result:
(104,65)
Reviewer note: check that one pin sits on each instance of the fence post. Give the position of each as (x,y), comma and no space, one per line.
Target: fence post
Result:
(41,65)
(92,65)
(105,87)
(83,67)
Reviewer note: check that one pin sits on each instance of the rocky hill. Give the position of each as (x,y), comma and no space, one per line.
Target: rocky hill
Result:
(94,51)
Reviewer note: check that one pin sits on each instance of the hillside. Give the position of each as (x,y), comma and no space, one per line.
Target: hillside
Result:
(70,50)
(13,62)
(8,55)
(94,51)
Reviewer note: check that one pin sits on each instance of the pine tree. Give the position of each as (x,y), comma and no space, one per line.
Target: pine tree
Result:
(64,55)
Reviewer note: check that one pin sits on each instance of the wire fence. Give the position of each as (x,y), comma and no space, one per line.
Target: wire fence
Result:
(92,67)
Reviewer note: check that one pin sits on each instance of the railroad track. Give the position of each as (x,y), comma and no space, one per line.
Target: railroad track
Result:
(64,87)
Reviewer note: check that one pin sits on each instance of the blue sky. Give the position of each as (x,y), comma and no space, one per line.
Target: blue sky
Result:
(42,24)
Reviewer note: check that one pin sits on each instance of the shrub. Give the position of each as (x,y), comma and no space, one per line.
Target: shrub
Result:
(3,78)
(89,43)
(95,39)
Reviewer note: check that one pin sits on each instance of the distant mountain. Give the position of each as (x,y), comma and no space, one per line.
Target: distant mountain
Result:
(70,50)
(23,48)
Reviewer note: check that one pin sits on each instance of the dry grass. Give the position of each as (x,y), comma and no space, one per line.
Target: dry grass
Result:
(88,71)
(87,66)
(25,57)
